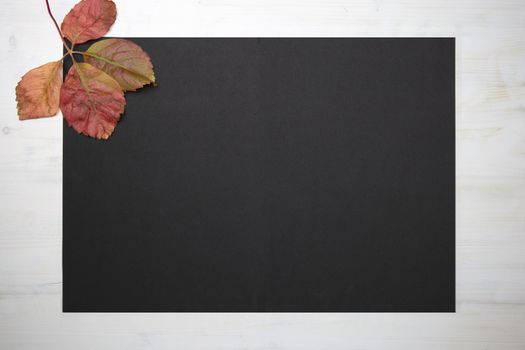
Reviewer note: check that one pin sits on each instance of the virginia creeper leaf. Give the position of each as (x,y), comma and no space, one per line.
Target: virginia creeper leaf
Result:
(91,101)
(124,60)
(88,20)
(38,92)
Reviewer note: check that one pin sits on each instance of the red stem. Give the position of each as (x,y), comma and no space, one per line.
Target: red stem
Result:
(57,27)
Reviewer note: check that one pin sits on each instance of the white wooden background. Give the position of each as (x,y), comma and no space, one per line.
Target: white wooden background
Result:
(490,181)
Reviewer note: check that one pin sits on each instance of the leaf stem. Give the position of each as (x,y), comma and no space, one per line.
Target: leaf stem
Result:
(53,18)
(57,27)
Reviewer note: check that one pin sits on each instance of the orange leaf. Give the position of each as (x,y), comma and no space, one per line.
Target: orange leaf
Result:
(38,91)
(88,20)
(124,60)
(91,101)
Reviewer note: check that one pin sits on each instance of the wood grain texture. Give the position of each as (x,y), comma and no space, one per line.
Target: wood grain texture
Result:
(490,181)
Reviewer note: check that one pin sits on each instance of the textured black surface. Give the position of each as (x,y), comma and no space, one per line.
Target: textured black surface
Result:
(270,175)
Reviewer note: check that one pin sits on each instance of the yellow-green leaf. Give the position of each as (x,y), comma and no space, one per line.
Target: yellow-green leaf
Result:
(124,60)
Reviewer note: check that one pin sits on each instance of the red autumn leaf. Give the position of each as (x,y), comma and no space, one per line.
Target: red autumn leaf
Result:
(91,101)
(38,91)
(88,20)
(124,60)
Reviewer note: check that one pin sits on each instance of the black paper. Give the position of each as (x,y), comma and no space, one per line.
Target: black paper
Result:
(274,174)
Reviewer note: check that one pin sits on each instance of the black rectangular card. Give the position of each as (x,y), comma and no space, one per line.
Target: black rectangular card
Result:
(274,174)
